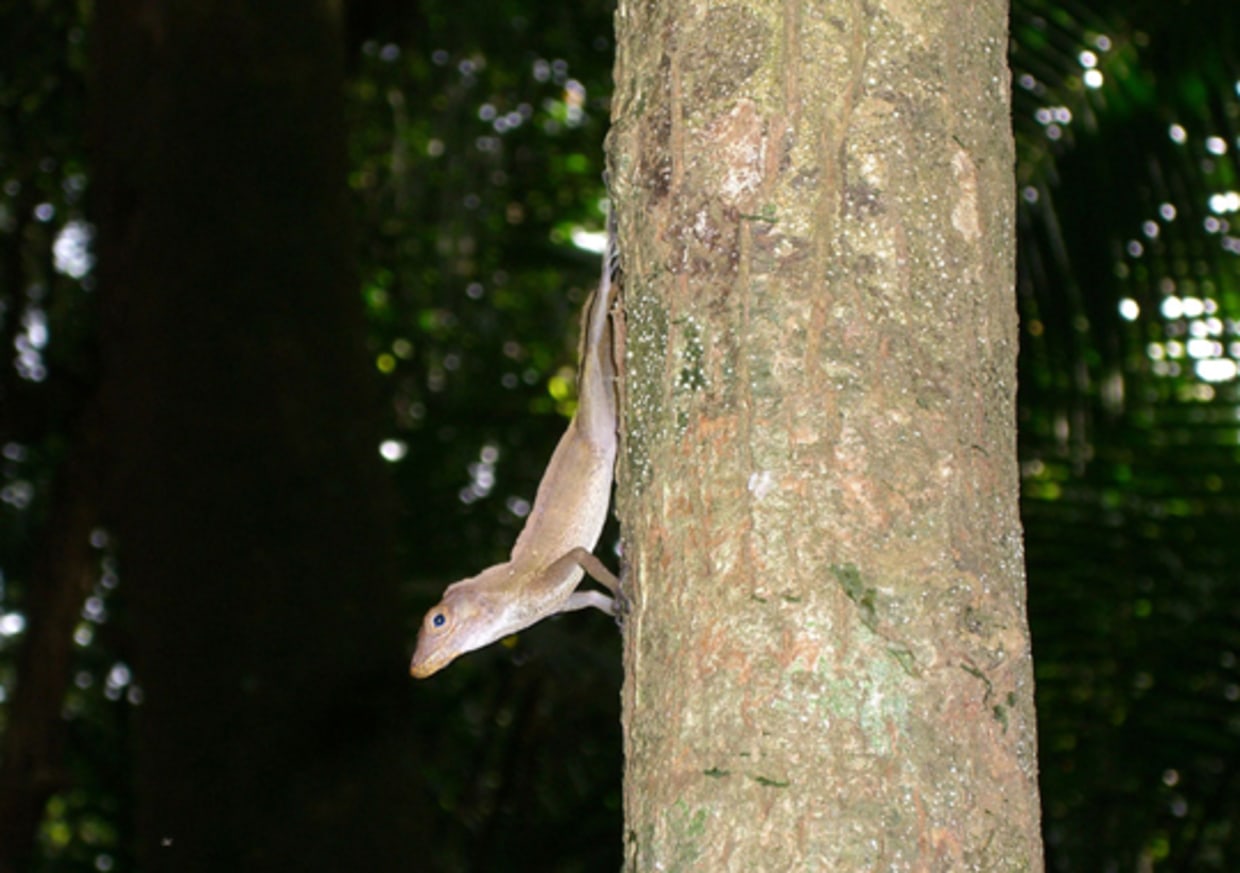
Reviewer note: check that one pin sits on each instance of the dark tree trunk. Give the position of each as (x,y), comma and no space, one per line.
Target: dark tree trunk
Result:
(244,488)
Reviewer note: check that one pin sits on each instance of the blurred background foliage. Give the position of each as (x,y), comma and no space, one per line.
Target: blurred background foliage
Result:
(476,150)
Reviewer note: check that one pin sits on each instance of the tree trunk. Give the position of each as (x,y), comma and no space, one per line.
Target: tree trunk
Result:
(245,491)
(827,659)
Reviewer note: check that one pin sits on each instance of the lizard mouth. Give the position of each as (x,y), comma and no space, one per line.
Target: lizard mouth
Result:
(424,665)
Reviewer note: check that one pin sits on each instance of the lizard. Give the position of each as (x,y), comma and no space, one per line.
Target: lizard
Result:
(555,547)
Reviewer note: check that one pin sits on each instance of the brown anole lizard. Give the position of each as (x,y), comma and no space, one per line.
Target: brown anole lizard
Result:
(540,577)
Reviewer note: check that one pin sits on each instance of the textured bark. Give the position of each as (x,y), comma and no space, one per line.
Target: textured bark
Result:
(828,664)
(244,481)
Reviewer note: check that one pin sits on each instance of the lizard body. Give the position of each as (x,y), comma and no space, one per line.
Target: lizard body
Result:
(547,562)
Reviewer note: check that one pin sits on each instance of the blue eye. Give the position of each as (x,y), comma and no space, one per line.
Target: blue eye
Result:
(439,620)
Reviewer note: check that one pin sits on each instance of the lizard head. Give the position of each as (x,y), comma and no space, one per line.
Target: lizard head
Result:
(462,621)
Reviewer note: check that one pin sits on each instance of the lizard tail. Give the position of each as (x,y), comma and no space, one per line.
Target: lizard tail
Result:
(596,388)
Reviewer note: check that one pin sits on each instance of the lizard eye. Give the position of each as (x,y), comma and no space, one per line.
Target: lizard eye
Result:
(439,620)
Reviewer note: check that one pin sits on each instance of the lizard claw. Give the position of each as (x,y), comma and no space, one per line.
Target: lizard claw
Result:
(622,606)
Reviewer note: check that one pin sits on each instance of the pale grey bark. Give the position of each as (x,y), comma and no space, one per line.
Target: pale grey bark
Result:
(827,658)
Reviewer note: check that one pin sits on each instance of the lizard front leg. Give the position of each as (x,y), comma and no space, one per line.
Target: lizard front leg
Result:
(617,605)
(597,571)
